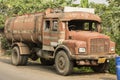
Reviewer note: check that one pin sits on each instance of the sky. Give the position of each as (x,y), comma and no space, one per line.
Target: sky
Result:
(99,1)
(96,1)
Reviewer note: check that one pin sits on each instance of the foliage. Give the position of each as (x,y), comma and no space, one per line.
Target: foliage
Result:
(10,8)
(86,69)
(82,69)
(84,3)
(5,44)
(112,67)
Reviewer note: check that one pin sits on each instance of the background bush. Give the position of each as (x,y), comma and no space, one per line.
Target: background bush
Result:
(112,66)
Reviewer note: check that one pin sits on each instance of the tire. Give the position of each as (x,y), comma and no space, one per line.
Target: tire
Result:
(63,64)
(46,62)
(101,68)
(18,59)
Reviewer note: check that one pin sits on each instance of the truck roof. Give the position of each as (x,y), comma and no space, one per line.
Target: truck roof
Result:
(67,16)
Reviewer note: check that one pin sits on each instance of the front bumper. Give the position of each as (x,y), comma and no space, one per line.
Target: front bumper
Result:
(93,57)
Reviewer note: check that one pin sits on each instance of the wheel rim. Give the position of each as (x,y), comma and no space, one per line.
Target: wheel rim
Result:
(61,62)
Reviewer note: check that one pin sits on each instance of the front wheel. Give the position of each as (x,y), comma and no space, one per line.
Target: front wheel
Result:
(18,59)
(63,64)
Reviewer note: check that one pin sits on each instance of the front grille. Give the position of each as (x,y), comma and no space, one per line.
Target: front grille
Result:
(99,45)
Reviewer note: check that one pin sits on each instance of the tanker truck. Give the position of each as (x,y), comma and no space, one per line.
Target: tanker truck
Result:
(63,38)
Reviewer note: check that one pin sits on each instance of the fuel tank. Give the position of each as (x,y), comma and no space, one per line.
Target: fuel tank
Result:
(24,28)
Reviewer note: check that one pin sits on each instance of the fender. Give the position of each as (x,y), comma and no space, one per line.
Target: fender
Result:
(65,48)
(24,49)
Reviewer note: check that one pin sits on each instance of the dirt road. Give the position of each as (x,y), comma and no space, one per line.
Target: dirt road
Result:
(35,71)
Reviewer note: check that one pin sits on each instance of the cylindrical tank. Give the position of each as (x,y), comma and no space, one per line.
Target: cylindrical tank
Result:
(118,67)
(24,28)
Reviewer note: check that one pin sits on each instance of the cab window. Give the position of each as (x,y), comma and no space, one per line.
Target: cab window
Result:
(47,25)
(84,25)
(55,25)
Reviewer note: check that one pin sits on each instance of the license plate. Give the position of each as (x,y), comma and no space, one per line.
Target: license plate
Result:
(101,60)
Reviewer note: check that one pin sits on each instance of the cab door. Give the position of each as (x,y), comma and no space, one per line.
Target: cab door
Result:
(50,34)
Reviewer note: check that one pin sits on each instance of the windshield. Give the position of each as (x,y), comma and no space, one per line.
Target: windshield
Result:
(85,25)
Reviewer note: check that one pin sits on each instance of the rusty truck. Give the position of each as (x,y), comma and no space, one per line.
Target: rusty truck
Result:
(64,39)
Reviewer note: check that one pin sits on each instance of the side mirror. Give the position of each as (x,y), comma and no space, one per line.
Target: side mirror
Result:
(99,29)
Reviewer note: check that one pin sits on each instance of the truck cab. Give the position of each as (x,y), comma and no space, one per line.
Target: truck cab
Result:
(76,36)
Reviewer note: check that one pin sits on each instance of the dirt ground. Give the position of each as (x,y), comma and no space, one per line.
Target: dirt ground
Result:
(36,71)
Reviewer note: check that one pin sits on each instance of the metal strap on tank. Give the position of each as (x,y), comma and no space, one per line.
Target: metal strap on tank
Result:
(12,30)
(35,24)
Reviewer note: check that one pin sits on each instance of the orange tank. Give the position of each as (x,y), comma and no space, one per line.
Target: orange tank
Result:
(24,28)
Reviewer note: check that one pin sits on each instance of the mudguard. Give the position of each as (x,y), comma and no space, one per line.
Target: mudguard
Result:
(23,48)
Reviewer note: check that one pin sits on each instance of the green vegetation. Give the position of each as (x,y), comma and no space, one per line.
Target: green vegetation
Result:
(110,14)
(112,66)
(82,69)
(6,44)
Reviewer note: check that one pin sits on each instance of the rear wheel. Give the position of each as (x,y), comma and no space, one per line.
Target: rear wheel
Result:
(18,59)
(63,64)
(102,68)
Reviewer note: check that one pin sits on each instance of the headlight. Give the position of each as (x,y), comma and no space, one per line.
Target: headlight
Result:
(112,49)
(82,50)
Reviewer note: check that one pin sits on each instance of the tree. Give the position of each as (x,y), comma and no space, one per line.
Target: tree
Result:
(10,8)
(114,12)
(84,3)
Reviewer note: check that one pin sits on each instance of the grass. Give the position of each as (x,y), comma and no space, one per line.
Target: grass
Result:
(82,69)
